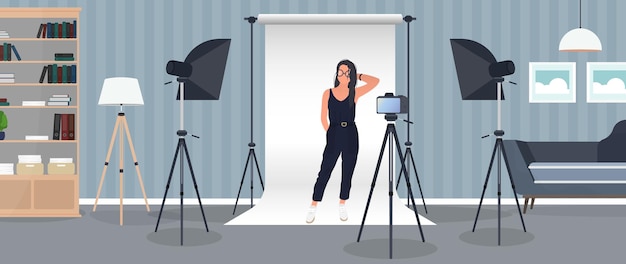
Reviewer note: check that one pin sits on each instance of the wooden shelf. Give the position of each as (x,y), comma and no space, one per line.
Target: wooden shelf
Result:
(38,62)
(41,107)
(39,84)
(36,141)
(37,39)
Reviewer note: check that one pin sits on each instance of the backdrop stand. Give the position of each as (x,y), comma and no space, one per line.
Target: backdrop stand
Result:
(251,145)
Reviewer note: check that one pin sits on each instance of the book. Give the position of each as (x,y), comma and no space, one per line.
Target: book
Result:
(8,51)
(1,52)
(56,132)
(61,95)
(44,32)
(35,137)
(55,103)
(54,73)
(64,74)
(7,80)
(59,74)
(43,74)
(3,100)
(33,103)
(50,73)
(64,58)
(65,119)
(73,74)
(59,99)
(70,126)
(40,30)
(5,104)
(49,28)
(7,75)
(17,55)
(70,55)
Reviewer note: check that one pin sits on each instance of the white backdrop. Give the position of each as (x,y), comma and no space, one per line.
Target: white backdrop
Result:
(301,55)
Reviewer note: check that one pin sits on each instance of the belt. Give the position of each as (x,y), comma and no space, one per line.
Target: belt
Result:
(342,124)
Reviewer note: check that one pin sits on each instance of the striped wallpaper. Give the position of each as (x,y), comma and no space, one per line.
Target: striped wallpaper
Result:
(136,38)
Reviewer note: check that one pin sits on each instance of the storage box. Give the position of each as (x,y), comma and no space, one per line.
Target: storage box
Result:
(30,169)
(61,168)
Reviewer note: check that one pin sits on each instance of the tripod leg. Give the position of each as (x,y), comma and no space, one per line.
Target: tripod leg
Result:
(106,161)
(369,198)
(132,151)
(243,176)
(406,178)
(404,157)
(169,179)
(258,170)
(506,162)
(195,185)
(493,155)
(419,185)
(121,156)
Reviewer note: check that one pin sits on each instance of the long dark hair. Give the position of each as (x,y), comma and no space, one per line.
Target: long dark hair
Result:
(352,83)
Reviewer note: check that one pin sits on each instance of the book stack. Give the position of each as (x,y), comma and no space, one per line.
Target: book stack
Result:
(58,73)
(6,169)
(6,51)
(63,127)
(60,99)
(4,34)
(4,102)
(7,78)
(29,165)
(57,30)
(33,103)
(64,56)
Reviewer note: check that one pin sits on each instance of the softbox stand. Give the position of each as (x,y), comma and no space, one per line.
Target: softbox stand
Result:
(251,145)
(182,146)
(498,149)
(202,73)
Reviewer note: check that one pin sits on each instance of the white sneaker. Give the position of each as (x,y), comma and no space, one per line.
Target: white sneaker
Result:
(310,215)
(343,212)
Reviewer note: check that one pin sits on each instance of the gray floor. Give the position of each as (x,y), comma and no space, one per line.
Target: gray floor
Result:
(556,234)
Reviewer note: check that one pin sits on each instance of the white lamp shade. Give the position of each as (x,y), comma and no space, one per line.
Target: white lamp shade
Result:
(120,91)
(580,40)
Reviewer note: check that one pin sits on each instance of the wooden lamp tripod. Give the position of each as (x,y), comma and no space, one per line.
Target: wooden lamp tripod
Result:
(121,91)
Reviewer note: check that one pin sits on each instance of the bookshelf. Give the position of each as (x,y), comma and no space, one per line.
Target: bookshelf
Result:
(51,193)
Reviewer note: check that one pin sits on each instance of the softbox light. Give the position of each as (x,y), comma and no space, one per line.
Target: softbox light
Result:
(203,70)
(477,70)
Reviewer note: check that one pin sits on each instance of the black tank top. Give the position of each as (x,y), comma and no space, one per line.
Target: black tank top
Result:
(340,111)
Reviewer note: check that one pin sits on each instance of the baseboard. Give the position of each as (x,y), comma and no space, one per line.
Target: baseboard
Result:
(418,201)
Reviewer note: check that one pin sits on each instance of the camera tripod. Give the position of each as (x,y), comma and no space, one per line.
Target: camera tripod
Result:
(390,136)
(182,146)
(499,149)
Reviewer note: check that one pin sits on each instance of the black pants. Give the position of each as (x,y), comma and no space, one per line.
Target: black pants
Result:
(344,141)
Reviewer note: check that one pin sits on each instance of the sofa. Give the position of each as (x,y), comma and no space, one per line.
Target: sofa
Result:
(569,169)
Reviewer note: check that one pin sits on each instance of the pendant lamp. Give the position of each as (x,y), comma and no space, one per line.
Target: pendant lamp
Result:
(580,39)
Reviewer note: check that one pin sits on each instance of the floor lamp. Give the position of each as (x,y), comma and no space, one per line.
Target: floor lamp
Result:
(121,91)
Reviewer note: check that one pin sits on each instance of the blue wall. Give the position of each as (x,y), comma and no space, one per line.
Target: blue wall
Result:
(137,38)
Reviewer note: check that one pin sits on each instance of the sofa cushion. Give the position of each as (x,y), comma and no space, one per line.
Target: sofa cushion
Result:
(578,172)
(613,147)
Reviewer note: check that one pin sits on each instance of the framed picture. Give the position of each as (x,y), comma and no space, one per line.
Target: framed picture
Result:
(552,82)
(605,82)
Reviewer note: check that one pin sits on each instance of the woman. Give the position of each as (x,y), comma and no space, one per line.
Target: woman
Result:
(342,137)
